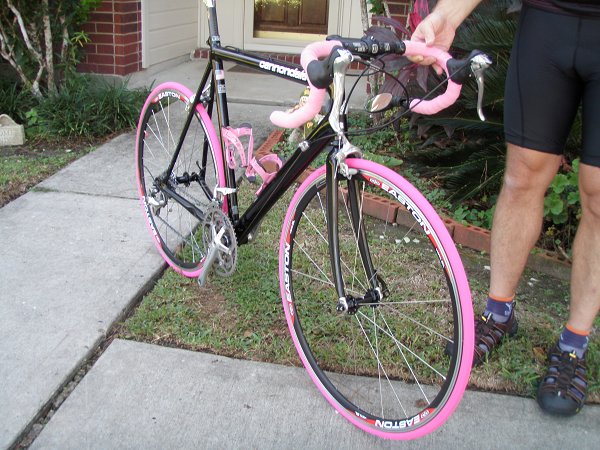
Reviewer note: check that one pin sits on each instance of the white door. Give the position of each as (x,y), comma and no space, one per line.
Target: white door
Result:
(169,30)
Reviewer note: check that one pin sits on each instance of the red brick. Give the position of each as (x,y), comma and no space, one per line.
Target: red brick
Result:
(105,69)
(450,225)
(550,264)
(106,5)
(405,218)
(104,27)
(304,175)
(105,49)
(126,6)
(379,208)
(472,237)
(89,27)
(125,18)
(101,38)
(126,59)
(124,39)
(101,17)
(269,143)
(127,28)
(127,49)
(101,59)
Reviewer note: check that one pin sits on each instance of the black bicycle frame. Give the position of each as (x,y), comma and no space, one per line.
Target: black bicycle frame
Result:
(300,160)
(294,166)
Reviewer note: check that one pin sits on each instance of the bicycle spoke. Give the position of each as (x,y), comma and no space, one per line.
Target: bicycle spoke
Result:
(416,322)
(396,341)
(380,365)
(344,264)
(406,361)
(159,134)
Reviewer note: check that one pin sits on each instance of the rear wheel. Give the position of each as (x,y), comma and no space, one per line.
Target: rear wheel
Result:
(175,203)
(381,364)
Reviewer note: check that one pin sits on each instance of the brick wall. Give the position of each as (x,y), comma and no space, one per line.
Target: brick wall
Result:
(116,38)
(399,9)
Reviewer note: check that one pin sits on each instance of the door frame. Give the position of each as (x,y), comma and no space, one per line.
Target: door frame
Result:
(236,24)
(340,15)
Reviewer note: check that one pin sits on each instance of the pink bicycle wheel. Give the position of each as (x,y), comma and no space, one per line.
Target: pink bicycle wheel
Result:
(382,363)
(174,204)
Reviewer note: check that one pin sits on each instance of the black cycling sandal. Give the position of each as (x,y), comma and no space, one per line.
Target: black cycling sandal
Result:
(489,334)
(564,387)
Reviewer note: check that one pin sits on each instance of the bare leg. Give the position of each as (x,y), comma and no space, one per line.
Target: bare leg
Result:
(585,277)
(519,213)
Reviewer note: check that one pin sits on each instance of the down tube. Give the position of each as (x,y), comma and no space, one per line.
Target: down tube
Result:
(284,178)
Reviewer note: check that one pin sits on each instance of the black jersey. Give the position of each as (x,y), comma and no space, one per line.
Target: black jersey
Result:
(579,7)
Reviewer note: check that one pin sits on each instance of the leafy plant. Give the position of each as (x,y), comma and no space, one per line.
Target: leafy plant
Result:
(562,208)
(37,39)
(467,156)
(15,101)
(88,106)
(376,7)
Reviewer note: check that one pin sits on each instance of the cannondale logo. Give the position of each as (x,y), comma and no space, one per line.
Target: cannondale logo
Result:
(276,68)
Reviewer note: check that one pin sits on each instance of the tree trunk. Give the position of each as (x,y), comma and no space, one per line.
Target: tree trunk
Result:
(364,15)
(49,60)
(32,84)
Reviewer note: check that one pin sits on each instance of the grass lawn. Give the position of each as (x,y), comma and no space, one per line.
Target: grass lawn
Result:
(24,166)
(242,316)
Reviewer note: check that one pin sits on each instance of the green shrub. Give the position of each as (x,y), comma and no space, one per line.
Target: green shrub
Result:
(15,101)
(88,106)
(562,209)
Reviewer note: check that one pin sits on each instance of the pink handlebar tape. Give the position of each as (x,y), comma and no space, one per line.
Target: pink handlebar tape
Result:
(444,100)
(316,96)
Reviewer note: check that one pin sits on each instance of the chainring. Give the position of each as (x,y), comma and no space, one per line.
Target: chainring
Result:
(214,221)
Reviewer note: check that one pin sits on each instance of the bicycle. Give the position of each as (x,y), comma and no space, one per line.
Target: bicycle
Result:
(371,283)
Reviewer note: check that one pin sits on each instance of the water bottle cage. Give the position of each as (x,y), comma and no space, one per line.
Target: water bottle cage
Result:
(233,145)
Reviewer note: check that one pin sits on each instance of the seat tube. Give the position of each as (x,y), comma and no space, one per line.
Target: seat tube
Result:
(220,91)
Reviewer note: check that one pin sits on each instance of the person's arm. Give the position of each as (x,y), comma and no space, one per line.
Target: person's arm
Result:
(454,12)
(439,28)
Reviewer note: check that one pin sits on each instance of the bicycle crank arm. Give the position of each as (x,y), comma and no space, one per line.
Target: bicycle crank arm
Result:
(211,256)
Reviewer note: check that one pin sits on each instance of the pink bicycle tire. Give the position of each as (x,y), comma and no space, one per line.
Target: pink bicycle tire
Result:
(428,419)
(175,90)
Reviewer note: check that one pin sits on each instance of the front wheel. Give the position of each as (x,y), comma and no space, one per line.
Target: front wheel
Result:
(381,363)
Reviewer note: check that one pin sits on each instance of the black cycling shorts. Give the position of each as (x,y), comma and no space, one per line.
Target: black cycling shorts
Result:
(554,67)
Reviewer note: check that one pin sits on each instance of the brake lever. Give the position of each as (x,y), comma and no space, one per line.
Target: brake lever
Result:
(479,64)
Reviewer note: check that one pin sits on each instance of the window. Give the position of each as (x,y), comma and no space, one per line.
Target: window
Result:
(277,18)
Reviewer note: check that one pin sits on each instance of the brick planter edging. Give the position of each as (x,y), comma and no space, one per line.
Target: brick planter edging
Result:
(469,236)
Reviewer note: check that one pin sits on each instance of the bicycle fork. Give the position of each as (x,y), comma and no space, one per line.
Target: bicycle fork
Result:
(336,172)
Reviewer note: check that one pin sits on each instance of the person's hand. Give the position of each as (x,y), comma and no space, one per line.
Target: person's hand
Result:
(434,30)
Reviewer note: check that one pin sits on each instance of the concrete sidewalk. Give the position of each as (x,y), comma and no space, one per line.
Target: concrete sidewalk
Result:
(144,396)
(76,255)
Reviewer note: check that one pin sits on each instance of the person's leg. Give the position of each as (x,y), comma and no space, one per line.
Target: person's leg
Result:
(515,230)
(518,217)
(585,279)
(536,126)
